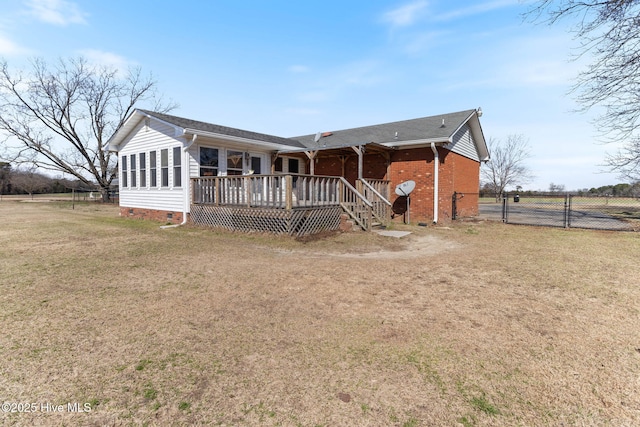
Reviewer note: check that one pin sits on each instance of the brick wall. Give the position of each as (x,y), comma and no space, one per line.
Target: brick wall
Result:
(456,173)
(152,214)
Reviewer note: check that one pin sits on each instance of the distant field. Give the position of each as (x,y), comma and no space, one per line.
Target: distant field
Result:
(472,324)
(51,196)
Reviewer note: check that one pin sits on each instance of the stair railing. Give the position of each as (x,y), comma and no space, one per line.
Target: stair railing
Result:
(381,207)
(356,205)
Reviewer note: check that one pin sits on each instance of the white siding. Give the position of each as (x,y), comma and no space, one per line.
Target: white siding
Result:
(464,144)
(194,161)
(154,137)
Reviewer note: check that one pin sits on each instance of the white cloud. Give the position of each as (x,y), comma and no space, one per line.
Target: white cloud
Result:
(8,47)
(477,9)
(405,15)
(57,12)
(107,59)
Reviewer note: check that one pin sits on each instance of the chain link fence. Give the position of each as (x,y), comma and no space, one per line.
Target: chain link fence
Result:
(464,205)
(571,211)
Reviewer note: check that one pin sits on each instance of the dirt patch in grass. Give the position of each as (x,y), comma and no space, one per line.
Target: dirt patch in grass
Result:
(477,324)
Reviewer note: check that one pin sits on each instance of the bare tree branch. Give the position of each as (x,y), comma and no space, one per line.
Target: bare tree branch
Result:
(60,117)
(507,165)
(609,30)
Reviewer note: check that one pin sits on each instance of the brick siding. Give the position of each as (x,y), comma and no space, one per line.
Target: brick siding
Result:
(456,173)
(152,214)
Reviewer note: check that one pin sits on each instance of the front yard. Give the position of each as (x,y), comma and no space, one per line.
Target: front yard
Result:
(476,324)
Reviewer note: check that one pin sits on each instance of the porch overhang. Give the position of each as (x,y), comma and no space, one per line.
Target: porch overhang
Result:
(339,150)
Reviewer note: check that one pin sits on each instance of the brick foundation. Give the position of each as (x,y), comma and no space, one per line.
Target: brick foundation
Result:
(152,214)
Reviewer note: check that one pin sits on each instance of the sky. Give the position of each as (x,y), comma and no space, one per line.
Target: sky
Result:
(294,68)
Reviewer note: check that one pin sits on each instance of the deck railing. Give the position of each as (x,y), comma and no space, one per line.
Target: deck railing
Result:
(382,186)
(288,191)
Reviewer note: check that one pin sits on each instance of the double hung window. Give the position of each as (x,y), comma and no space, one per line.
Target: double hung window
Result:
(133,171)
(177,167)
(164,167)
(143,169)
(153,169)
(123,168)
(208,161)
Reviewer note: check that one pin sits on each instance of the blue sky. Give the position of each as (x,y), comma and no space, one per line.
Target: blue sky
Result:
(291,68)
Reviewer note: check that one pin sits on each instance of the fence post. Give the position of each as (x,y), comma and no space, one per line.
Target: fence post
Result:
(454,206)
(505,218)
(567,211)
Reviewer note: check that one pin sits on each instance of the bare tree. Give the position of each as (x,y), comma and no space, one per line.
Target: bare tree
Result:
(556,188)
(609,30)
(29,181)
(507,165)
(5,177)
(60,118)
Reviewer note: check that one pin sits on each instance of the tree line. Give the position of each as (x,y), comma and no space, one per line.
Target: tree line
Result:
(29,181)
(615,190)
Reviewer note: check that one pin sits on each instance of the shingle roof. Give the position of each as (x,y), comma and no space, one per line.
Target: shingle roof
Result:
(223,130)
(426,128)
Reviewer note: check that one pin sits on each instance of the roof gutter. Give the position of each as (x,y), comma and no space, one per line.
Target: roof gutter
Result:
(436,167)
(418,143)
(186,182)
(272,145)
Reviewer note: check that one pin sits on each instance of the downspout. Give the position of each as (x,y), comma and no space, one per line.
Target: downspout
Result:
(436,164)
(186,180)
(186,184)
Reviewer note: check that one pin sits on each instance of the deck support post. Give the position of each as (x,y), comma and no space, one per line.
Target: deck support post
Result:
(247,186)
(289,193)
(217,190)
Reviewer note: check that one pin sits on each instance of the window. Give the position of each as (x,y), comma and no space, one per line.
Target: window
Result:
(208,161)
(256,165)
(153,169)
(143,169)
(133,170)
(234,162)
(287,165)
(177,162)
(164,167)
(124,171)
(294,166)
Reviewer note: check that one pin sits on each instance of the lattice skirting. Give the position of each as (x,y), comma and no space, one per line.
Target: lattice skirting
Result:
(296,222)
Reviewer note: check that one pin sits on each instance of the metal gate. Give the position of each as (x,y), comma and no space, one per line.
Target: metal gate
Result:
(571,211)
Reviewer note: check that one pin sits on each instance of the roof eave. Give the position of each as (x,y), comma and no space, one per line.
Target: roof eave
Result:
(236,139)
(416,143)
(113,145)
(481,142)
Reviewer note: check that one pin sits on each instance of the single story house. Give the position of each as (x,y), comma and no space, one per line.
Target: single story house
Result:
(175,169)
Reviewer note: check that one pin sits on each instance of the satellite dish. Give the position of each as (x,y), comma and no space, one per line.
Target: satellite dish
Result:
(317,137)
(405,188)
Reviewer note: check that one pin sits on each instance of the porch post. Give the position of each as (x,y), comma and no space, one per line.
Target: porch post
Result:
(360,151)
(343,160)
(311,155)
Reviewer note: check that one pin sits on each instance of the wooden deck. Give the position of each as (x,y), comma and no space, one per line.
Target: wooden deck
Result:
(287,204)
